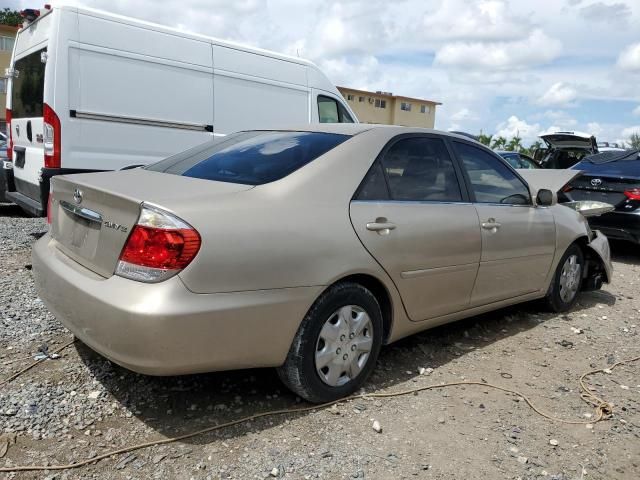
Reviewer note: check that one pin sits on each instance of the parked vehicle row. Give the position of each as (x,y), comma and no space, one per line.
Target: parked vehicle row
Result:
(304,250)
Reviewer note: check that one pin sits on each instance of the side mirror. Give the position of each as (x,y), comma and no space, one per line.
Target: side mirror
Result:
(544,198)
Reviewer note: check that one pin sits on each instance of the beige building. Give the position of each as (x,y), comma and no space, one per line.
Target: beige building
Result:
(7,38)
(386,108)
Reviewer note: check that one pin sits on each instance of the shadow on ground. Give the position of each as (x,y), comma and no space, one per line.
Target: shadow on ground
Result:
(10,210)
(178,405)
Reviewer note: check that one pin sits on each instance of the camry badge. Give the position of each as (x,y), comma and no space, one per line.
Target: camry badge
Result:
(77,196)
(596,182)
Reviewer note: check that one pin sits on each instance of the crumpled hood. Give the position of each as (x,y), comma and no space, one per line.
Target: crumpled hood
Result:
(548,178)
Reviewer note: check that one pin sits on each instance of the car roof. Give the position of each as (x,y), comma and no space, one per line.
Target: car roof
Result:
(357,128)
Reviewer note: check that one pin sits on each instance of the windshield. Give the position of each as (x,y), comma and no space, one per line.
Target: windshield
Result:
(27,89)
(251,158)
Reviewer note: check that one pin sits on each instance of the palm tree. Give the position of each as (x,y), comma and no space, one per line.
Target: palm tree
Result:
(515,144)
(485,139)
(499,143)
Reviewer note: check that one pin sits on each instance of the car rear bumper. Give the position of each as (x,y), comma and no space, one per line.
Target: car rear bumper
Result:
(163,328)
(618,225)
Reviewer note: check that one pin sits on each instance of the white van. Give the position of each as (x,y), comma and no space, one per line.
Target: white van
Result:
(92,91)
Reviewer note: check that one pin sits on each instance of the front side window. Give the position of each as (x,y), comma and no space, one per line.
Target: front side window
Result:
(332,111)
(420,169)
(491,180)
(251,158)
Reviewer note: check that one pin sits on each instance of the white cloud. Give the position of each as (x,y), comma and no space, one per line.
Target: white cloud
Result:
(594,128)
(629,58)
(636,111)
(517,127)
(463,114)
(559,94)
(538,48)
(627,132)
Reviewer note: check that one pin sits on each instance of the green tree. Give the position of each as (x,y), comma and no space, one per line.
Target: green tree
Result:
(485,139)
(499,143)
(532,148)
(514,145)
(634,141)
(10,17)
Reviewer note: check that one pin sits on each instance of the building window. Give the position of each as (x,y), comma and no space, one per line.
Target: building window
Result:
(360,99)
(424,109)
(350,97)
(3,85)
(405,106)
(380,103)
(6,43)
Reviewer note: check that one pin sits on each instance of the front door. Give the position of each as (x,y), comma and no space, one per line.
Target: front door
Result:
(518,238)
(413,217)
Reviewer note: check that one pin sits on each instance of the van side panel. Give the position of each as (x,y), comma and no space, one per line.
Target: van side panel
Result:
(256,91)
(135,85)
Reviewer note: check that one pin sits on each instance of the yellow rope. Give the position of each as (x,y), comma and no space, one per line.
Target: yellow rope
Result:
(603,410)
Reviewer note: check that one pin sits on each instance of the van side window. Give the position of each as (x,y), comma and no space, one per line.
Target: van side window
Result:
(331,111)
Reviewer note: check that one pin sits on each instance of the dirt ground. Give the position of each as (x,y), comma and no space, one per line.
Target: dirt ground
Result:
(470,432)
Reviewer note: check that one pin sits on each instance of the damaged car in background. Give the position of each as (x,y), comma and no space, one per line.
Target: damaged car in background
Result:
(305,250)
(564,149)
(611,177)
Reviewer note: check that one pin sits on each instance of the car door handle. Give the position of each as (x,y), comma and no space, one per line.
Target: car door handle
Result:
(491,224)
(380,226)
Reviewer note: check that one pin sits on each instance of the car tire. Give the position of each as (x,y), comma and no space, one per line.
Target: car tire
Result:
(567,280)
(328,358)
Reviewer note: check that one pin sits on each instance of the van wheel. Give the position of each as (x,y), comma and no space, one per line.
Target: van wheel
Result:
(566,283)
(336,346)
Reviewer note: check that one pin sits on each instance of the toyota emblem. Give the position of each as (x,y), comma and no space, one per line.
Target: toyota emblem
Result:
(77,196)
(596,182)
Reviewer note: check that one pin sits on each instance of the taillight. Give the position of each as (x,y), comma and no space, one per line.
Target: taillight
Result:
(10,142)
(633,194)
(51,138)
(158,247)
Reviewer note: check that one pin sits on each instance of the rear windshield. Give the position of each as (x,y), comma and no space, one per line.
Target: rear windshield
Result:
(28,86)
(251,158)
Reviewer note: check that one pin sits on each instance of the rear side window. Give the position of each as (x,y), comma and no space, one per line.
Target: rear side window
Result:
(420,169)
(332,111)
(252,158)
(491,180)
(27,93)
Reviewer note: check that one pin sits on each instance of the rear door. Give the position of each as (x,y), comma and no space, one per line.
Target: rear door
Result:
(518,238)
(412,215)
(27,104)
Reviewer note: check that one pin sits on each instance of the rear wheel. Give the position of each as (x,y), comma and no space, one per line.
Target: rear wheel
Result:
(336,346)
(566,283)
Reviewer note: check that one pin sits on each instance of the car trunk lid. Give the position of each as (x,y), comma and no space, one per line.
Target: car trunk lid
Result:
(570,140)
(93,214)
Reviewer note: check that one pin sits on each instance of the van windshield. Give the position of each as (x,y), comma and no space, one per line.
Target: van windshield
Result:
(27,89)
(251,158)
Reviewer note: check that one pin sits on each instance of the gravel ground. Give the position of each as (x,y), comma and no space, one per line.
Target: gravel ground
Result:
(80,405)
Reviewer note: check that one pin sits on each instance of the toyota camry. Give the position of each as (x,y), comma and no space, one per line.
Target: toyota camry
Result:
(304,249)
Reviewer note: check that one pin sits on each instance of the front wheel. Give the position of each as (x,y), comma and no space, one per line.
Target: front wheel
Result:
(336,346)
(566,283)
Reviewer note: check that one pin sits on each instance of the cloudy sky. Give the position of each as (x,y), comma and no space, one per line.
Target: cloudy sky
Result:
(499,66)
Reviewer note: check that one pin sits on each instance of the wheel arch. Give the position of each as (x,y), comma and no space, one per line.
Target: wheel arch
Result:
(382,294)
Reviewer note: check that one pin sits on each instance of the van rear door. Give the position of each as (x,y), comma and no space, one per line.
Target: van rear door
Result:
(27,106)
